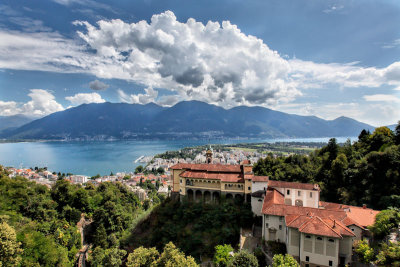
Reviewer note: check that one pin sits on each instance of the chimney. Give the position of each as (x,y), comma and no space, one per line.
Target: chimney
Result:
(364,206)
(334,223)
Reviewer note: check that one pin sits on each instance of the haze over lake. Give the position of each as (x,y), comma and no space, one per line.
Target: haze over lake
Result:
(91,158)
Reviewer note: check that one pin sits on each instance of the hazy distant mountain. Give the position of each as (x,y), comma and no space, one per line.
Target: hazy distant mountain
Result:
(392,127)
(189,119)
(13,121)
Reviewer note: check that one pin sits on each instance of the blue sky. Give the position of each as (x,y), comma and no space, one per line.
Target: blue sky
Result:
(323,58)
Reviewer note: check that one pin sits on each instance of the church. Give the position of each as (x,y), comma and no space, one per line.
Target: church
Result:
(316,233)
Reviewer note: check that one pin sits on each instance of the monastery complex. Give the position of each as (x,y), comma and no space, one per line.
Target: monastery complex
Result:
(316,233)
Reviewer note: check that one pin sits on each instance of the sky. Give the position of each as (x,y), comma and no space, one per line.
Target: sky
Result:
(307,57)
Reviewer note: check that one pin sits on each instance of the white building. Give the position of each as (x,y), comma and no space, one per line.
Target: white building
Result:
(315,233)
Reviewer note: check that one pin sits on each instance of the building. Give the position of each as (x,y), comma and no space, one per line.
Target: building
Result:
(320,235)
(209,182)
(316,233)
(78,179)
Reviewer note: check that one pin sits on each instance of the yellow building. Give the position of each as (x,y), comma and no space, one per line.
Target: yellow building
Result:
(208,182)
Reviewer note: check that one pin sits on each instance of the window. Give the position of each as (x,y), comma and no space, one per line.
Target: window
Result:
(266,217)
(266,225)
(352,229)
(181,180)
(307,265)
(319,238)
(330,263)
(331,240)
(249,188)
(280,219)
(308,236)
(310,194)
(280,227)
(299,193)
(288,192)
(307,258)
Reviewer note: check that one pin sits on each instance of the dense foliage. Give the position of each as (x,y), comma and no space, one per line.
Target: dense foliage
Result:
(365,172)
(9,247)
(150,257)
(223,255)
(195,228)
(45,219)
(243,258)
(286,260)
(385,222)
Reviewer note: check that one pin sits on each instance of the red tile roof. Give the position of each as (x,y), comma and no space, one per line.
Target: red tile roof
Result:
(224,177)
(360,216)
(207,167)
(260,178)
(273,197)
(293,185)
(318,226)
(274,205)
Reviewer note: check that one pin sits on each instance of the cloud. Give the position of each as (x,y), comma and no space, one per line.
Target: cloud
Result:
(395,43)
(375,114)
(213,62)
(42,103)
(87,3)
(333,8)
(8,108)
(82,98)
(44,51)
(381,98)
(149,96)
(98,86)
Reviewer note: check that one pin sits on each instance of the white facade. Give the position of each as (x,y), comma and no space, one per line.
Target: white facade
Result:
(257,186)
(79,179)
(274,228)
(300,197)
(256,205)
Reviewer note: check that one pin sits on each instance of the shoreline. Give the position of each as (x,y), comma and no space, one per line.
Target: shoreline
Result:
(257,140)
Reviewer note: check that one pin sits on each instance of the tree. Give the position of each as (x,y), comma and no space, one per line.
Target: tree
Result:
(385,221)
(100,237)
(143,257)
(160,170)
(139,169)
(287,260)
(389,255)
(9,247)
(146,204)
(222,255)
(364,251)
(111,257)
(244,259)
(397,134)
(382,136)
(173,257)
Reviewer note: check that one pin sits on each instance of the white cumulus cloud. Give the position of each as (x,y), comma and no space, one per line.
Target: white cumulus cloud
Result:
(381,98)
(42,103)
(149,96)
(82,98)
(213,62)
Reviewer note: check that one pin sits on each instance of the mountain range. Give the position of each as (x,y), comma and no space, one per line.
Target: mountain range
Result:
(15,121)
(187,119)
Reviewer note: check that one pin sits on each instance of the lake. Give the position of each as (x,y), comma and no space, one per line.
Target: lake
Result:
(91,158)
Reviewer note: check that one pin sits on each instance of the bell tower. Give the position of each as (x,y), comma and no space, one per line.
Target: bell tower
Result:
(209,154)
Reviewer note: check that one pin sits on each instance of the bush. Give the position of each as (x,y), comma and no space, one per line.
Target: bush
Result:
(364,251)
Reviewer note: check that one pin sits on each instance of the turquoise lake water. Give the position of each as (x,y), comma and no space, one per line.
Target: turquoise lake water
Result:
(91,158)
